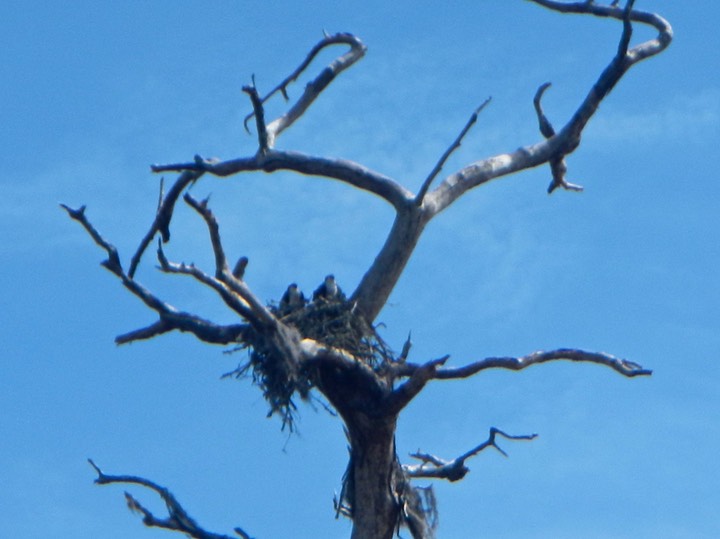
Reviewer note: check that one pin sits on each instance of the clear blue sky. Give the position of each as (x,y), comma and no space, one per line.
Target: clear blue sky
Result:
(91,93)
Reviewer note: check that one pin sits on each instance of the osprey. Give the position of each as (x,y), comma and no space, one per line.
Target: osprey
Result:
(329,291)
(292,300)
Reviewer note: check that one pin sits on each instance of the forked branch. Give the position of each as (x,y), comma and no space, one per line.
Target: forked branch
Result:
(316,86)
(568,138)
(454,146)
(170,317)
(177,519)
(454,470)
(161,224)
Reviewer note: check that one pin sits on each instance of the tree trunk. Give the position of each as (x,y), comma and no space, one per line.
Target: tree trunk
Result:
(374,470)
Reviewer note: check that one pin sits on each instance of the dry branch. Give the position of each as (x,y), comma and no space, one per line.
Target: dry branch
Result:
(259,114)
(455,469)
(335,348)
(315,87)
(622,366)
(177,519)
(170,317)
(161,224)
(454,146)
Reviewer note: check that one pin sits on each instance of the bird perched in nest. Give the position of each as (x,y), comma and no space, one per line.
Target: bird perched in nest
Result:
(328,291)
(292,300)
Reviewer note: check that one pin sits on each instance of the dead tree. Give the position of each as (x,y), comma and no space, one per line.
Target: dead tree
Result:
(330,345)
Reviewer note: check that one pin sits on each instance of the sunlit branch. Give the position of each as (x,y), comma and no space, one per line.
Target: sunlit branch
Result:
(343,170)
(315,87)
(567,139)
(454,146)
(622,366)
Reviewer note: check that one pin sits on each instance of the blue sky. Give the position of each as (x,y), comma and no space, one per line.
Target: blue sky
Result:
(93,92)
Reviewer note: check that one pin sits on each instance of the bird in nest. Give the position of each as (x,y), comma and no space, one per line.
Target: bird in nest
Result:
(292,300)
(328,292)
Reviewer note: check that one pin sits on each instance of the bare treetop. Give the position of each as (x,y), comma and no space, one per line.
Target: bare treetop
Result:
(330,344)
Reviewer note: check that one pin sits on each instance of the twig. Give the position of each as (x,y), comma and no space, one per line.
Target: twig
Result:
(454,146)
(221,265)
(455,470)
(163,216)
(258,313)
(231,299)
(113,262)
(259,114)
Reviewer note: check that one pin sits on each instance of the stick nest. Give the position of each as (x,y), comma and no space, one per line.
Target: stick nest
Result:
(280,377)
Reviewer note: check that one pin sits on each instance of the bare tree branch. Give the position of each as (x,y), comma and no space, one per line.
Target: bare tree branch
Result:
(113,262)
(148,332)
(557,164)
(402,395)
(202,329)
(231,299)
(623,366)
(170,317)
(259,115)
(221,265)
(163,216)
(455,470)
(343,170)
(177,520)
(454,146)
(317,85)
(259,313)
(568,138)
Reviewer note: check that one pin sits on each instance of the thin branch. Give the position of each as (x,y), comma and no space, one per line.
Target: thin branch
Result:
(221,265)
(113,262)
(455,470)
(148,332)
(315,87)
(202,329)
(258,313)
(228,296)
(623,366)
(170,317)
(568,138)
(163,216)
(454,146)
(402,395)
(546,127)
(240,266)
(259,114)
(177,520)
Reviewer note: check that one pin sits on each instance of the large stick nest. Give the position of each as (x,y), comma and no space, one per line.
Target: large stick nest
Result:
(334,324)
